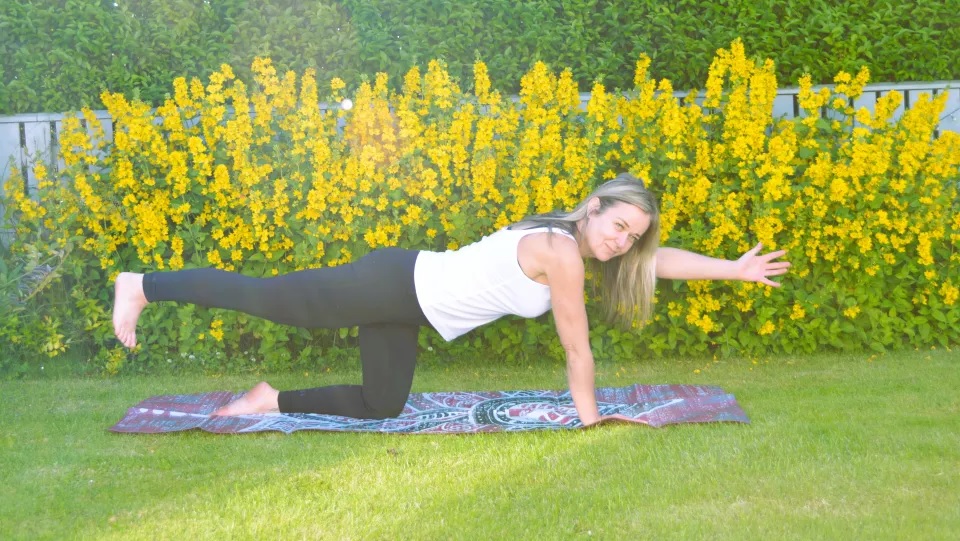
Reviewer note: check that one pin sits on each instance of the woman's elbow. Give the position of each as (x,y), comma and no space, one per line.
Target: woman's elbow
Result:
(577,353)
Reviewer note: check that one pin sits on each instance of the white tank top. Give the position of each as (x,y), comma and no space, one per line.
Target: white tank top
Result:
(464,289)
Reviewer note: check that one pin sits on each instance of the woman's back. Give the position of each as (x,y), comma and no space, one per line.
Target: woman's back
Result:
(464,289)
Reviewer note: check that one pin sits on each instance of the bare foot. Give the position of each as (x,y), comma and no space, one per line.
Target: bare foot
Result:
(261,399)
(128,302)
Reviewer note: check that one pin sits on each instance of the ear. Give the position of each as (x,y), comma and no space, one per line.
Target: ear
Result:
(593,205)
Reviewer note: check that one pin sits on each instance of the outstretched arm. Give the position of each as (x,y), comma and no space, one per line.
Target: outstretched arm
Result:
(677,264)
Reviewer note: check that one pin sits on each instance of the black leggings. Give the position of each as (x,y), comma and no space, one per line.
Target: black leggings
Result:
(375,293)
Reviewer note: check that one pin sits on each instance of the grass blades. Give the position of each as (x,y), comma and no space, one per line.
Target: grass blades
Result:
(840,447)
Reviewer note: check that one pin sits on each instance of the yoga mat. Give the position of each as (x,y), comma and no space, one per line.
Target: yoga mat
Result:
(447,412)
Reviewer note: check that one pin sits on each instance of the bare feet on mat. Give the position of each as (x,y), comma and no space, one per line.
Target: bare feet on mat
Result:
(128,302)
(261,399)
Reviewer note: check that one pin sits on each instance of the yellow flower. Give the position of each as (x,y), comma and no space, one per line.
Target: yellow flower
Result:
(216,330)
(640,72)
(950,293)
(481,84)
(809,100)
(213,257)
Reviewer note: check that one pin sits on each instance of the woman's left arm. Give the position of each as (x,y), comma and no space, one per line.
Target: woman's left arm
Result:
(676,264)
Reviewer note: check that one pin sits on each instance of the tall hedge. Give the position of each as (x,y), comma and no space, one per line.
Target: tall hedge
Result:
(59,55)
(898,40)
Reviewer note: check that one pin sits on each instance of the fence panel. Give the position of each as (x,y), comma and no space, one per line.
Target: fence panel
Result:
(11,154)
(38,146)
(784,106)
(867,100)
(950,121)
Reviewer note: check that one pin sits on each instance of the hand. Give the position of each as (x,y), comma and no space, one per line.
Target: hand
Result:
(756,268)
(615,417)
(620,417)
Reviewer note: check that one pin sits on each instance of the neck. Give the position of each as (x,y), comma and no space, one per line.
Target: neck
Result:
(581,243)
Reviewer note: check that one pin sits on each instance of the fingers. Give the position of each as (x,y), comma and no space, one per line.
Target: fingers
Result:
(774,255)
(768,282)
(766,258)
(767,265)
(775,272)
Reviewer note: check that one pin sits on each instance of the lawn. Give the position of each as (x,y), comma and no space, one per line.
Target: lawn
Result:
(839,447)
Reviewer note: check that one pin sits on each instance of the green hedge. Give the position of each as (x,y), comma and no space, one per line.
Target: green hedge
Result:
(57,56)
(897,40)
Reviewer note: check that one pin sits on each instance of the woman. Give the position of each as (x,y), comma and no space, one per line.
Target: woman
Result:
(526,269)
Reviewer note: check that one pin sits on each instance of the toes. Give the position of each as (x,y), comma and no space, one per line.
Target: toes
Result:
(127,339)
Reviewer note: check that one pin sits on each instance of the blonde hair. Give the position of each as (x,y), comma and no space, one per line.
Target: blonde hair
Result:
(627,282)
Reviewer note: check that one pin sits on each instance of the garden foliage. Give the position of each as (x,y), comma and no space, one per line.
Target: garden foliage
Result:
(866,207)
(899,40)
(58,56)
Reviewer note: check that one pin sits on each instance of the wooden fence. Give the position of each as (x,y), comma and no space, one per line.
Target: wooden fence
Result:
(28,136)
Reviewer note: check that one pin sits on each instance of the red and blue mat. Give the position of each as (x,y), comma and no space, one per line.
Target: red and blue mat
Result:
(448,412)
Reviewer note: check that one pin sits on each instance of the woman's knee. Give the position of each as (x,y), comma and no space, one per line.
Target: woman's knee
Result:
(384,407)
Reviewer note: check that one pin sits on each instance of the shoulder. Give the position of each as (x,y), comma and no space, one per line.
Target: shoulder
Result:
(551,253)
(555,243)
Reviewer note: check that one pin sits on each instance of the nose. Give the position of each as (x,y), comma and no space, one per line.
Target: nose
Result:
(623,241)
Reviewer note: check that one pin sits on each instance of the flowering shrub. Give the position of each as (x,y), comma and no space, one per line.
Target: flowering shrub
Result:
(866,207)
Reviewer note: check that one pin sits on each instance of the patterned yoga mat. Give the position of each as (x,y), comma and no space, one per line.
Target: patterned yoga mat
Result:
(448,412)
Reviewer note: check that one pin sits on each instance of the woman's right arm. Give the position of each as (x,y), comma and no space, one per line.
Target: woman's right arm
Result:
(564,270)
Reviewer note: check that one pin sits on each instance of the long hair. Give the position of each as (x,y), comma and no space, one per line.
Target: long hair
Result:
(626,282)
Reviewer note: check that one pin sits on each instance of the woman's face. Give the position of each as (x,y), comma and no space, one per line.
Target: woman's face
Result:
(606,234)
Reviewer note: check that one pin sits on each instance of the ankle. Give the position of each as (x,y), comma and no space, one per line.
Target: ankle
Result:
(136,289)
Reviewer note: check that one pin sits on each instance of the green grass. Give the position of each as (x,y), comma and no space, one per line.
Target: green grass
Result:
(850,447)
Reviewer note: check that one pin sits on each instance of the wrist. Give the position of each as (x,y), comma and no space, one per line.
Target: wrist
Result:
(590,420)
(732,270)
